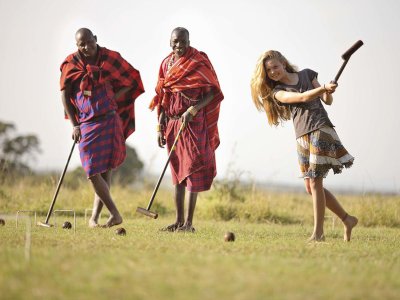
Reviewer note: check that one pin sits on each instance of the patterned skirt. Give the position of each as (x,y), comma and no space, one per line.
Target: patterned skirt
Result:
(321,150)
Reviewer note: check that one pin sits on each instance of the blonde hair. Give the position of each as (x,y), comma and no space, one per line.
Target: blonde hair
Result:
(262,86)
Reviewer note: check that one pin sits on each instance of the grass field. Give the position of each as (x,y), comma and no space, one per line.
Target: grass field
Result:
(270,258)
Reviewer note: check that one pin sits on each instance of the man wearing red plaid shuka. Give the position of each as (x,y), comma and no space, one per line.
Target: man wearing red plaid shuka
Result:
(98,90)
(188,92)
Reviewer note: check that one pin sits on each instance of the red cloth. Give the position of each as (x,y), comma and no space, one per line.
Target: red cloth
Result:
(191,71)
(193,161)
(111,67)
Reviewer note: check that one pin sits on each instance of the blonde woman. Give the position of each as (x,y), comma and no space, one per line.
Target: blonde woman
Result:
(285,93)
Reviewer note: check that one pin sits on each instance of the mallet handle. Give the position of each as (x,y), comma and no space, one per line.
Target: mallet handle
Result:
(59,185)
(165,167)
(346,56)
(340,71)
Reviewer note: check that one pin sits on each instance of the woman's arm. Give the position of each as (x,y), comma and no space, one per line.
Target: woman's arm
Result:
(327,96)
(293,97)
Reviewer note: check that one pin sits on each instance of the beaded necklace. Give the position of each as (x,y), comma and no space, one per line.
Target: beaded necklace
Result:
(171,62)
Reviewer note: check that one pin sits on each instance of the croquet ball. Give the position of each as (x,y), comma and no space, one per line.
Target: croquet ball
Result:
(120,231)
(67,225)
(2,222)
(229,237)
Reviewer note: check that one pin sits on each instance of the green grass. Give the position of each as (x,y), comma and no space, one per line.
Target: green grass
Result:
(266,261)
(270,258)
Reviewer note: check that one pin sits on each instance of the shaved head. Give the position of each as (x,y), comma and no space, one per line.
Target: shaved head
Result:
(84,32)
(181,29)
(86,42)
(179,41)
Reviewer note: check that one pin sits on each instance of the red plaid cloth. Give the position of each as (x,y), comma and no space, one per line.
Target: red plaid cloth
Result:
(110,66)
(191,71)
(102,145)
(193,161)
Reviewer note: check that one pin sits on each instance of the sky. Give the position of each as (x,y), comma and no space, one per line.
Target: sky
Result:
(36,36)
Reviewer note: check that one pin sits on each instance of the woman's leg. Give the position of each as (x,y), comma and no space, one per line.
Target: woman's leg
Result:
(348,221)
(100,184)
(319,203)
(334,205)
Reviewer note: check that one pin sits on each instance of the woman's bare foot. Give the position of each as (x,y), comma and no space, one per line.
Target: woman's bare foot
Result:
(186,228)
(113,221)
(172,227)
(349,223)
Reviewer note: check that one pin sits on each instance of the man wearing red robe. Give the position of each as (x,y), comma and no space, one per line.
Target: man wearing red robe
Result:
(188,92)
(98,90)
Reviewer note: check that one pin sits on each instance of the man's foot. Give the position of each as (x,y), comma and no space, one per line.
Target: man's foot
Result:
(317,239)
(113,221)
(172,227)
(349,223)
(93,223)
(186,228)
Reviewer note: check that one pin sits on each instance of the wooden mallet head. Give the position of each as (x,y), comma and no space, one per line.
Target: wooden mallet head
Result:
(44,224)
(346,56)
(146,212)
(352,49)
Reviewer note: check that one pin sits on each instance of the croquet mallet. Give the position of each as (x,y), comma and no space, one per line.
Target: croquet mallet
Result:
(346,57)
(146,211)
(46,222)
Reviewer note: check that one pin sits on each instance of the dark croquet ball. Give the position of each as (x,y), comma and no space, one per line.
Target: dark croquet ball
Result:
(229,237)
(2,222)
(120,231)
(67,225)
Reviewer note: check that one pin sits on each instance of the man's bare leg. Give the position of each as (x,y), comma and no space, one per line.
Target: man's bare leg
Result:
(349,221)
(98,204)
(97,207)
(191,205)
(101,188)
(179,206)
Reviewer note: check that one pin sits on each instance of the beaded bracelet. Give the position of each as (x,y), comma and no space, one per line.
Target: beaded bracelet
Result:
(77,127)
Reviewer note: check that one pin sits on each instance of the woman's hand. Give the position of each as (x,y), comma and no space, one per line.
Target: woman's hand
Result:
(330,87)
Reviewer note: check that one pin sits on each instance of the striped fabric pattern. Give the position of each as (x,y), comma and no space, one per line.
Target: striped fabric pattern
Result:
(192,70)
(321,150)
(102,146)
(100,103)
(110,67)
(193,163)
